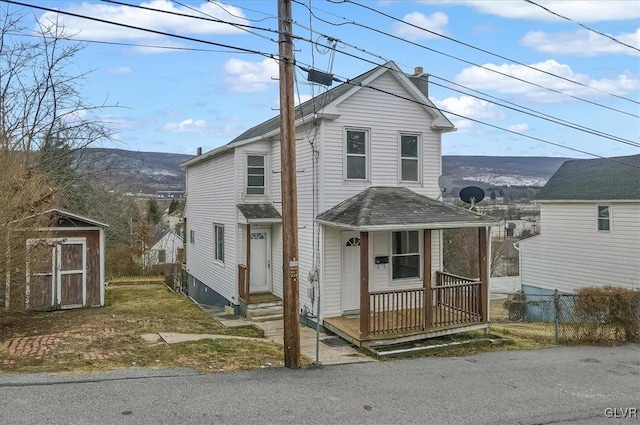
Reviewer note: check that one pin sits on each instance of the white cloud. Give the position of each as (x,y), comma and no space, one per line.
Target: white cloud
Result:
(581,43)
(435,22)
(520,128)
(483,79)
(159,21)
(122,70)
(187,126)
(248,77)
(469,107)
(579,10)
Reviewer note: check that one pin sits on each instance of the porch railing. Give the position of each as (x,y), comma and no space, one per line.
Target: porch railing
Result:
(453,301)
(243,287)
(396,311)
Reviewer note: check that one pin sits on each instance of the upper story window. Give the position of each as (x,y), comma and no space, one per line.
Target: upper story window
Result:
(256,175)
(356,155)
(604,218)
(409,158)
(405,254)
(192,236)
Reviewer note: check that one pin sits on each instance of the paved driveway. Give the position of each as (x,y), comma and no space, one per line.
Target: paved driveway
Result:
(563,385)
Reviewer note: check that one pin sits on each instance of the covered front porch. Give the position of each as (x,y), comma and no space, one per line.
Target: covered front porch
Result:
(391,256)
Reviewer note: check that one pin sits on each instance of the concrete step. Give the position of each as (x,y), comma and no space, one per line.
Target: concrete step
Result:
(259,306)
(253,313)
(268,318)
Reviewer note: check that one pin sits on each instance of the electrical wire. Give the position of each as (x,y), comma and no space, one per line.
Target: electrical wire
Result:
(422,46)
(269,16)
(181,37)
(471,46)
(546,9)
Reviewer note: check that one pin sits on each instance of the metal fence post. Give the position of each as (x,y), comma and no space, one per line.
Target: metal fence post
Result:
(556,302)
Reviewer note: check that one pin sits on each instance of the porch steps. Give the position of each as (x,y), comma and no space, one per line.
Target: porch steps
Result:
(262,312)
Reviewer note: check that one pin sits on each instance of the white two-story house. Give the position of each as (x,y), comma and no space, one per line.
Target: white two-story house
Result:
(589,228)
(370,253)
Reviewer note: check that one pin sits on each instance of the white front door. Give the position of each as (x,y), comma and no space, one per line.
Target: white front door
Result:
(350,272)
(260,268)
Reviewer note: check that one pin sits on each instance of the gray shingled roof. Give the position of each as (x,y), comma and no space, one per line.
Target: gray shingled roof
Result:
(259,211)
(594,179)
(398,206)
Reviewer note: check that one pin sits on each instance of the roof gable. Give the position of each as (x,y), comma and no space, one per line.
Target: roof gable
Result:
(594,179)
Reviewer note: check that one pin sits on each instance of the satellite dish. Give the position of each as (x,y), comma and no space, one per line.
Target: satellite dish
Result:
(472,195)
(446,186)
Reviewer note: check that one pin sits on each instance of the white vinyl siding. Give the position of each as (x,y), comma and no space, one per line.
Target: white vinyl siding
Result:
(409,158)
(570,254)
(211,199)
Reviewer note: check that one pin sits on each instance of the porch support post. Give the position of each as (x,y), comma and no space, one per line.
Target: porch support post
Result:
(483,271)
(247,277)
(364,284)
(426,279)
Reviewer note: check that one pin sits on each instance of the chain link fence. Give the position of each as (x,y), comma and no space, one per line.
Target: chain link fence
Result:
(557,318)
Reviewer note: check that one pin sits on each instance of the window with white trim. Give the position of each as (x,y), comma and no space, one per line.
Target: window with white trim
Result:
(405,254)
(192,236)
(356,155)
(256,174)
(218,239)
(409,158)
(604,218)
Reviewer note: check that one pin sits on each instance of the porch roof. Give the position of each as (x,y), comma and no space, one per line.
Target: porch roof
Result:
(260,213)
(390,208)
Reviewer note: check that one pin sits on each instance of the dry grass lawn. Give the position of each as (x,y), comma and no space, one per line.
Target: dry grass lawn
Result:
(97,339)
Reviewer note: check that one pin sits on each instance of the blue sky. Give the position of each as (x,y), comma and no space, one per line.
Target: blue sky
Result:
(175,100)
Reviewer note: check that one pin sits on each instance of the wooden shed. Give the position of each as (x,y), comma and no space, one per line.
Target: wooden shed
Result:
(63,264)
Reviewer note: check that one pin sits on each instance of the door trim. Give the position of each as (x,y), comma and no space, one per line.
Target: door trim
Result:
(344,237)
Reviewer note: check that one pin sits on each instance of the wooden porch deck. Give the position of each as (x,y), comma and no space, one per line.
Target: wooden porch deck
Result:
(348,327)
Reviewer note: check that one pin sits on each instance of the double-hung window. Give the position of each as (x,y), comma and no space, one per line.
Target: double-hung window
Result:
(218,238)
(604,218)
(409,159)
(356,152)
(405,256)
(256,175)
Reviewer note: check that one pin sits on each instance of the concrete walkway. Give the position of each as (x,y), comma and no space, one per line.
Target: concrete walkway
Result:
(333,349)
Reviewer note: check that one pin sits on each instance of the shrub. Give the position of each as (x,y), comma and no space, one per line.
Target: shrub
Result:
(601,311)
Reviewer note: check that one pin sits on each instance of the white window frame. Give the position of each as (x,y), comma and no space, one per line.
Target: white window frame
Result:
(246,174)
(608,218)
(419,253)
(192,236)
(418,157)
(218,253)
(366,155)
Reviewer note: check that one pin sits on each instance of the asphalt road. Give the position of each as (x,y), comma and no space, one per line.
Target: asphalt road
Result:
(565,385)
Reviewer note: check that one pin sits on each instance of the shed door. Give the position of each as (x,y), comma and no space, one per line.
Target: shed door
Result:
(72,275)
(41,267)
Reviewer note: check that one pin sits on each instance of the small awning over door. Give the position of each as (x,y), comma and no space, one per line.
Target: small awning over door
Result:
(260,213)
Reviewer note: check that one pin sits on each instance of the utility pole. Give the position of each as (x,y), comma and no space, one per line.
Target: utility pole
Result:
(289,189)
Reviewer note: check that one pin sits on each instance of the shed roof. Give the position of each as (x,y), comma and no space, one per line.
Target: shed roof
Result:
(260,213)
(594,179)
(380,207)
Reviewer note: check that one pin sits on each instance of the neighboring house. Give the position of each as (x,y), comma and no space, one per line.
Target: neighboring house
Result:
(369,223)
(165,246)
(173,220)
(590,228)
(61,265)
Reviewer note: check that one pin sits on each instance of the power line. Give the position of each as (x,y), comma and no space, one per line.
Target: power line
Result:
(182,37)
(422,46)
(471,46)
(546,9)
(359,84)
(268,16)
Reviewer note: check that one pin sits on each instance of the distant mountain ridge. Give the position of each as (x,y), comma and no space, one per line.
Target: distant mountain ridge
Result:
(149,172)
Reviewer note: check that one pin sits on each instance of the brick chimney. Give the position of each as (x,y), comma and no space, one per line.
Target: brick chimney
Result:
(420,80)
